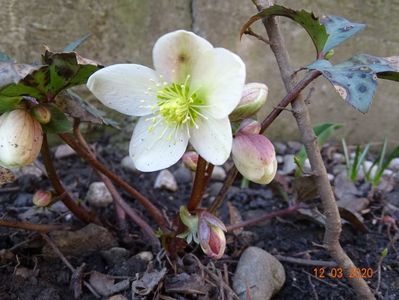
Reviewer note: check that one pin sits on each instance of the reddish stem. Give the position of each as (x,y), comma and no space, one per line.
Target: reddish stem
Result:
(77,210)
(151,208)
(31,226)
(202,176)
(266,216)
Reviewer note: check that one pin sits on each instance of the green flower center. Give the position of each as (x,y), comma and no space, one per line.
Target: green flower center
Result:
(178,105)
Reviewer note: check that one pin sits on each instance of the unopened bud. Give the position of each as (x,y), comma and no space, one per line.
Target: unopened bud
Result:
(42,198)
(41,114)
(190,160)
(254,157)
(211,235)
(253,98)
(249,126)
(21,138)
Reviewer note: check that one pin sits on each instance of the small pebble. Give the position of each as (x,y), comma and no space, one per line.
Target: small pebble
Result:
(183,175)
(166,180)
(98,195)
(289,165)
(218,173)
(64,151)
(394,165)
(280,148)
(294,146)
(128,164)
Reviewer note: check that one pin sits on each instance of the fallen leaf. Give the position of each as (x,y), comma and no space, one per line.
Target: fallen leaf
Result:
(235,217)
(148,282)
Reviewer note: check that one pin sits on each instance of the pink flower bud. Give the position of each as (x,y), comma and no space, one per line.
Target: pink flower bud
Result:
(21,138)
(211,235)
(42,198)
(41,114)
(253,98)
(249,126)
(190,160)
(254,157)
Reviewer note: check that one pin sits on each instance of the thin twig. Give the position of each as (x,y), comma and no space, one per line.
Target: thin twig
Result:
(31,226)
(151,208)
(263,217)
(302,117)
(249,31)
(307,262)
(118,200)
(67,263)
(77,210)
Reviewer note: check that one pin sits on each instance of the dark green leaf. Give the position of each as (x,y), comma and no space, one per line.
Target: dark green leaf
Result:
(326,33)
(59,123)
(356,79)
(75,44)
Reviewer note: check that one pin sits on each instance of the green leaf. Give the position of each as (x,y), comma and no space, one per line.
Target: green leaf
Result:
(75,44)
(67,70)
(8,103)
(323,132)
(356,79)
(326,33)
(59,123)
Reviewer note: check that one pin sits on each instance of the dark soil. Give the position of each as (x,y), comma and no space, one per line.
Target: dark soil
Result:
(292,236)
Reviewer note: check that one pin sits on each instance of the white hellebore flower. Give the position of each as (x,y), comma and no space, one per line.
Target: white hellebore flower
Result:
(188,97)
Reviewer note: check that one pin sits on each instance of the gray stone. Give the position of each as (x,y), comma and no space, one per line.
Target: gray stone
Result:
(218,173)
(294,146)
(279,159)
(98,195)
(289,165)
(183,174)
(128,164)
(35,169)
(280,148)
(166,180)
(260,272)
(330,177)
(64,151)
(215,188)
(338,169)
(394,165)
(338,158)
(115,255)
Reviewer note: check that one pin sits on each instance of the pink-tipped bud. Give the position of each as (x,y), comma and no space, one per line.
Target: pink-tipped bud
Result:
(42,198)
(253,98)
(41,114)
(211,235)
(249,126)
(254,157)
(190,160)
(21,138)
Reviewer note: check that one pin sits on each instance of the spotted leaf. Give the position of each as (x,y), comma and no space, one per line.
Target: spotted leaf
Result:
(356,79)
(326,33)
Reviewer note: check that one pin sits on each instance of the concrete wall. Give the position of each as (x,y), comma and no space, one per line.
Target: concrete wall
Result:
(125,31)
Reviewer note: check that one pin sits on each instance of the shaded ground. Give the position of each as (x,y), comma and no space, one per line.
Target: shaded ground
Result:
(29,274)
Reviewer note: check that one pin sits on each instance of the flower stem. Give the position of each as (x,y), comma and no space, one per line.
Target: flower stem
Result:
(151,208)
(77,210)
(291,96)
(202,176)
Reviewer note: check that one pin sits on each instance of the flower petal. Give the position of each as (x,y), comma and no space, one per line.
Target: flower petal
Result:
(219,77)
(127,88)
(175,53)
(159,148)
(212,139)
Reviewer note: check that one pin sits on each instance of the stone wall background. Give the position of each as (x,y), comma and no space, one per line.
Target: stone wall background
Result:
(125,31)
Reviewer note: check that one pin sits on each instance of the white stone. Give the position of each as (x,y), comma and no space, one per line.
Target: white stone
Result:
(63,151)
(218,173)
(166,180)
(289,165)
(128,164)
(98,195)
(394,165)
